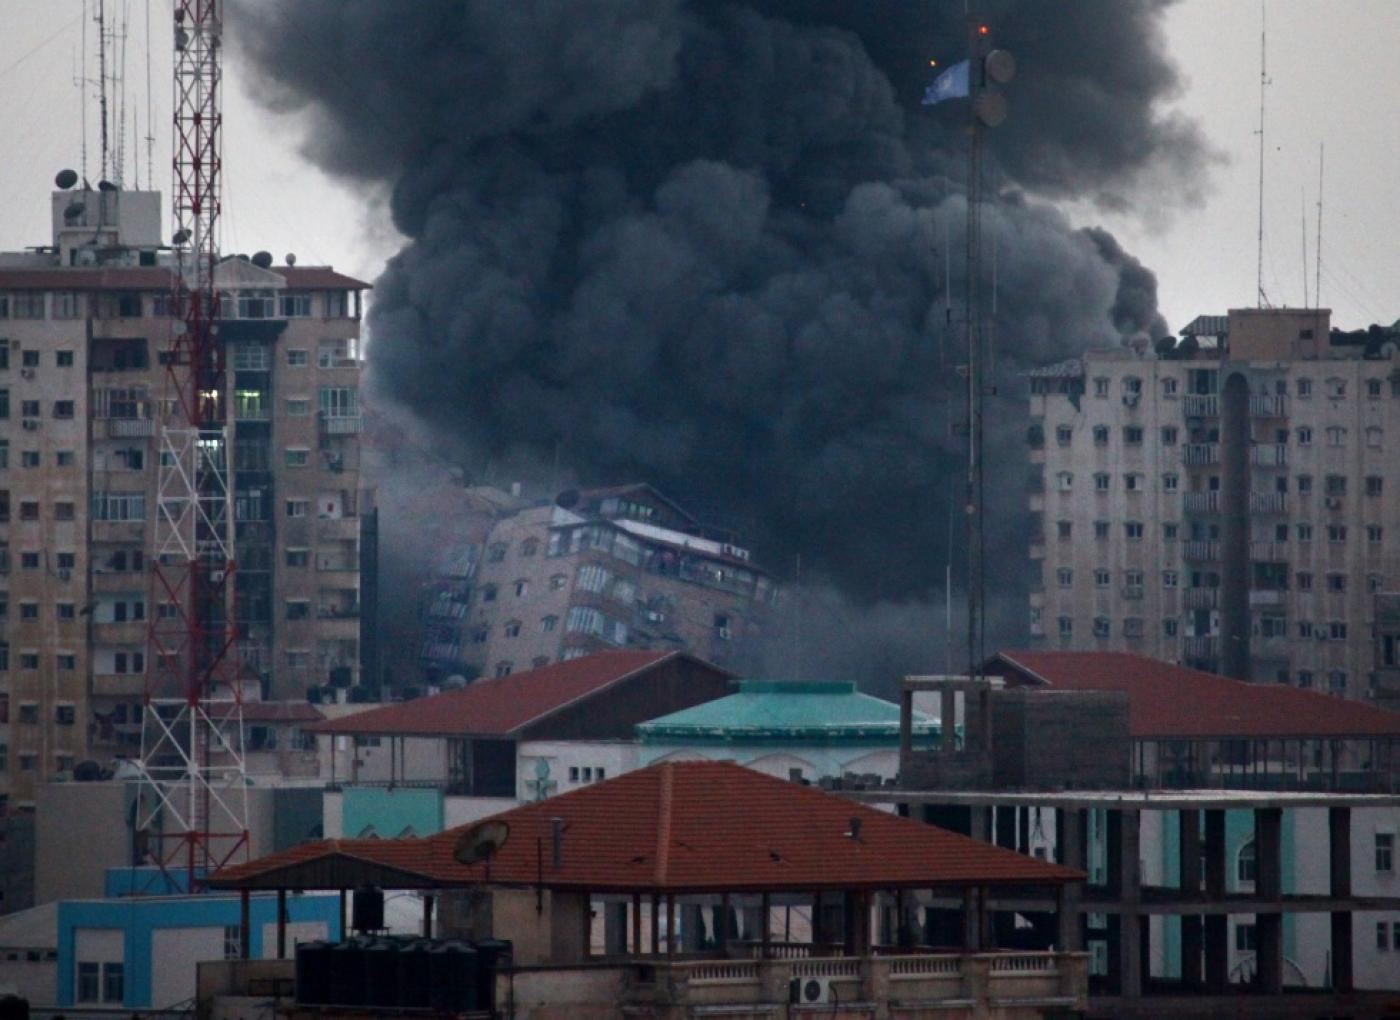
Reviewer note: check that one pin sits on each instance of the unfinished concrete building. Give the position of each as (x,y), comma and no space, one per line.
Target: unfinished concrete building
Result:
(85,319)
(1228,503)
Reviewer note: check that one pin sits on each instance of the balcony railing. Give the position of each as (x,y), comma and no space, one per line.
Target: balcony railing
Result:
(1268,455)
(1201,454)
(126,428)
(1200,551)
(1268,406)
(1268,502)
(1268,552)
(1199,647)
(342,424)
(1201,598)
(1259,597)
(1202,502)
(1195,405)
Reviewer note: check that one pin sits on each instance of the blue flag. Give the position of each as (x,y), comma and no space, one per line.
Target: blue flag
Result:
(951,84)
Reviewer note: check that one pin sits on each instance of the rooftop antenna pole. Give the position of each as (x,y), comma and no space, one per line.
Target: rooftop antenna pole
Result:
(1264,82)
(102,78)
(83,84)
(1317,235)
(1303,210)
(150,120)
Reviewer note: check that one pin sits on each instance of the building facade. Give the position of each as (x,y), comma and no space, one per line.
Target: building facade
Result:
(84,324)
(598,569)
(1227,503)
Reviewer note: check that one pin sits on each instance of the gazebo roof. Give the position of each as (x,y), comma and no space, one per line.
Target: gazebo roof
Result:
(676,827)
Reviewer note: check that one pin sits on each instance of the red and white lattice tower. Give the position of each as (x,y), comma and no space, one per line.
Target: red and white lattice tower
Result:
(194,792)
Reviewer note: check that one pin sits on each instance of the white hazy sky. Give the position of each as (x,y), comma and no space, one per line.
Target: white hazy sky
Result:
(1335,81)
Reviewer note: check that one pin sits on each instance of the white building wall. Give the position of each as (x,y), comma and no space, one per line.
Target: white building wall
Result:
(174,953)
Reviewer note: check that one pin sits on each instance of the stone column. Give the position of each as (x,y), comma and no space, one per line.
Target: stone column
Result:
(1339,867)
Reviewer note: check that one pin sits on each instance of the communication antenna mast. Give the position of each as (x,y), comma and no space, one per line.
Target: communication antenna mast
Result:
(1317,258)
(102,78)
(1264,83)
(194,791)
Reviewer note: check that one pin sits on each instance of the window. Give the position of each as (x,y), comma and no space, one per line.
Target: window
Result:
(29,610)
(1133,530)
(1337,582)
(504,668)
(1102,578)
(1064,435)
(1101,627)
(295,305)
(29,561)
(1064,577)
(28,713)
(1374,485)
(296,457)
(1245,938)
(592,577)
(1373,389)
(1385,852)
(1170,579)
(1132,435)
(298,609)
(496,552)
(1336,485)
(512,628)
(29,408)
(1100,435)
(29,510)
(1337,630)
(1305,436)
(522,588)
(1170,627)
(1382,936)
(27,304)
(1280,532)
(1336,533)
(1305,679)
(1305,533)
(29,359)
(113,982)
(29,458)
(1336,388)
(298,507)
(1101,530)
(488,593)
(548,623)
(1374,533)
(1066,625)
(1100,387)
(118,506)
(1304,484)
(1304,580)
(1336,435)
(1132,482)
(1101,481)
(1169,435)
(65,715)
(1373,437)
(1169,532)
(63,409)
(66,610)
(1064,481)
(298,407)
(63,359)
(1169,387)
(63,511)
(1132,627)
(1132,386)
(529,547)
(1304,388)
(296,357)
(89,982)
(298,557)
(339,402)
(1337,682)
(558,581)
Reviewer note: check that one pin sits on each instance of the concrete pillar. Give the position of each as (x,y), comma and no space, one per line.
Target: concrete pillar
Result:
(637,924)
(1127,875)
(1072,838)
(1113,852)
(281,924)
(1214,846)
(906,724)
(244,924)
(1217,926)
(1189,863)
(1339,867)
(655,924)
(980,823)
(1005,827)
(1268,884)
(692,927)
(1069,936)
(1268,933)
(947,720)
(974,927)
(427,915)
(615,928)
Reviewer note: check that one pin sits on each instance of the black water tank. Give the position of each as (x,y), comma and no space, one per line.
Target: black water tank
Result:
(453,977)
(415,974)
(12,1007)
(346,978)
(491,956)
(381,959)
(313,972)
(367,911)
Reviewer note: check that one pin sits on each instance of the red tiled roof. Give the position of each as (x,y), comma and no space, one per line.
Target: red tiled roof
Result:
(497,707)
(157,278)
(701,826)
(1167,700)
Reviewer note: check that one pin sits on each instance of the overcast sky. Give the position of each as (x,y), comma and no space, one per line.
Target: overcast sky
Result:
(1335,81)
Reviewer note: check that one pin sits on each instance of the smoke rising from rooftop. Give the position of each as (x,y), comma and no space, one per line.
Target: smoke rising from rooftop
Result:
(704,244)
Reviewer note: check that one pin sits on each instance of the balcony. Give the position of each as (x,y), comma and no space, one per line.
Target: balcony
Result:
(1132,592)
(1268,552)
(1196,405)
(119,685)
(1268,406)
(1268,502)
(1261,597)
(1201,598)
(1201,502)
(342,424)
(123,428)
(1200,454)
(1201,552)
(1199,647)
(1268,455)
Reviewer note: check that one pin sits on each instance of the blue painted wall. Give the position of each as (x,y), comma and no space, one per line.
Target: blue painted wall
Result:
(139,918)
(389,812)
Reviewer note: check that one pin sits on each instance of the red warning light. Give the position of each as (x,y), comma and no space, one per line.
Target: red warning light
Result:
(983,30)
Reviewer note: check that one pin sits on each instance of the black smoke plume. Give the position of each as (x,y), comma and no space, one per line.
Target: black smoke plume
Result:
(707,244)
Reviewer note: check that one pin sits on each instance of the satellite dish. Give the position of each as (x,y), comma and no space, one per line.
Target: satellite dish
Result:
(181,236)
(481,842)
(990,107)
(73,211)
(1001,66)
(262,259)
(567,499)
(65,179)
(290,259)
(106,186)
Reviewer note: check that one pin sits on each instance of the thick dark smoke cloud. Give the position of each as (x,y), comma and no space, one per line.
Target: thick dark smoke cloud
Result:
(705,243)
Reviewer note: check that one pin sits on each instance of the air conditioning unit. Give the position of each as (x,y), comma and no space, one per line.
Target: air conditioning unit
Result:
(1333,502)
(1131,400)
(654,617)
(810,990)
(26,373)
(31,425)
(724,633)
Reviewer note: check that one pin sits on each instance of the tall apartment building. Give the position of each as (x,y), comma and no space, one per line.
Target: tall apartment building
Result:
(607,568)
(84,322)
(1229,502)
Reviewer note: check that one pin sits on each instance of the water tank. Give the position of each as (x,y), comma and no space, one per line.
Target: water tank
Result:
(346,978)
(414,974)
(12,1007)
(453,977)
(381,959)
(313,973)
(491,956)
(367,911)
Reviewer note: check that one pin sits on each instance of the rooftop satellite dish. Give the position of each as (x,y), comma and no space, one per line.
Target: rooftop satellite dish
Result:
(990,107)
(106,186)
(481,842)
(262,259)
(181,237)
(73,211)
(567,499)
(290,259)
(1001,66)
(65,179)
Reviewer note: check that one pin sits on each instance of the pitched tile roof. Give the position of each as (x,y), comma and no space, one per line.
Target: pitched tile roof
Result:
(499,707)
(688,827)
(1167,700)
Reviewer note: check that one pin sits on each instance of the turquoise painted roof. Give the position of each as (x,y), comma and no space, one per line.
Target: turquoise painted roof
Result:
(779,710)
